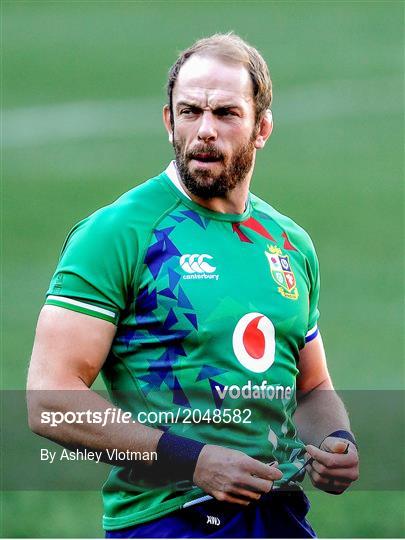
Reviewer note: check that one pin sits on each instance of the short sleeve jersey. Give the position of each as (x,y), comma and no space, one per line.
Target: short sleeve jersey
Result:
(211,312)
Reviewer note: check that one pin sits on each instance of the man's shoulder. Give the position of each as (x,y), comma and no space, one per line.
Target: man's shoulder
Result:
(148,200)
(141,206)
(297,234)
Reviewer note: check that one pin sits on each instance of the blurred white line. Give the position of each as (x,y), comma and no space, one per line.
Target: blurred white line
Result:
(32,126)
(346,97)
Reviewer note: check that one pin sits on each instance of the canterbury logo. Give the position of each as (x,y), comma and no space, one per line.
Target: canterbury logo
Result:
(213,520)
(196,263)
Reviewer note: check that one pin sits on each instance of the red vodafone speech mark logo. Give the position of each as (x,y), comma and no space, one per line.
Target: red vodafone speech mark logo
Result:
(253,342)
(253,339)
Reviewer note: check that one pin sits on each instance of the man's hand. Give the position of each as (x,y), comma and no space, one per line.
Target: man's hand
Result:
(232,476)
(332,469)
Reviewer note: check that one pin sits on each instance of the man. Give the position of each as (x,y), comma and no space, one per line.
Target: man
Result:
(194,297)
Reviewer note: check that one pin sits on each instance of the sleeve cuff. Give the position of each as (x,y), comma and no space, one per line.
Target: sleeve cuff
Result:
(311,334)
(82,307)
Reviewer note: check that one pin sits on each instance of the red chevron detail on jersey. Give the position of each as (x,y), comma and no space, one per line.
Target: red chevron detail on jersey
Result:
(256,226)
(287,243)
(242,237)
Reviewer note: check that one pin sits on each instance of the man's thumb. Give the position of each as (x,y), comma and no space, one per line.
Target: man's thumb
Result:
(334,445)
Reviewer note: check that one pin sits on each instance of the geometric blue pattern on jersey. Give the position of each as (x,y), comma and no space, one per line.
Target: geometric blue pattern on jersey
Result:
(179,311)
(160,370)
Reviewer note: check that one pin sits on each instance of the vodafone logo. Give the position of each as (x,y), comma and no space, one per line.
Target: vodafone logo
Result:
(254,343)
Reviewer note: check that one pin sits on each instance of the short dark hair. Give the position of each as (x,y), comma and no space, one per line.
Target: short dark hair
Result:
(233,49)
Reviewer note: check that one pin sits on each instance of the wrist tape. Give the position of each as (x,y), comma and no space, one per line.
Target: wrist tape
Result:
(178,455)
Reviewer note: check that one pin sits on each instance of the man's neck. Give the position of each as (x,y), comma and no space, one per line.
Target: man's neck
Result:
(235,201)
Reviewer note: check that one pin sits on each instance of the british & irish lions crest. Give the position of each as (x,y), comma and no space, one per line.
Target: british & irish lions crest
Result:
(282,272)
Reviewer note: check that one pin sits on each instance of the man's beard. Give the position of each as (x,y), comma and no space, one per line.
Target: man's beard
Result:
(204,183)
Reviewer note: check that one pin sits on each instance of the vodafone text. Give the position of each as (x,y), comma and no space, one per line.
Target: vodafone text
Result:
(255,391)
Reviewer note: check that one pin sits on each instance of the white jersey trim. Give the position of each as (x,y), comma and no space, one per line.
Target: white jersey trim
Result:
(90,307)
(311,333)
(173,174)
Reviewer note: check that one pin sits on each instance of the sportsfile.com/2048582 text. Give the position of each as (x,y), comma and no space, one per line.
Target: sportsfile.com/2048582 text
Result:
(113,415)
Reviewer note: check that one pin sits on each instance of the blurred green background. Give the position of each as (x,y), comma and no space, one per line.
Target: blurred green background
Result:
(83,86)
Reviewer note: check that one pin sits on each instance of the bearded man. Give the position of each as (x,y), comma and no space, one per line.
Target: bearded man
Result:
(196,299)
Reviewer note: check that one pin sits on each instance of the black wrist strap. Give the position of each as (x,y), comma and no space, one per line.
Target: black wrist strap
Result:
(178,455)
(342,434)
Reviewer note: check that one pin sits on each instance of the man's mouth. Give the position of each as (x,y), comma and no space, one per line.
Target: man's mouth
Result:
(205,157)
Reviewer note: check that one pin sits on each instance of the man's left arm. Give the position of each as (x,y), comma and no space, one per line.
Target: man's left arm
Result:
(320,413)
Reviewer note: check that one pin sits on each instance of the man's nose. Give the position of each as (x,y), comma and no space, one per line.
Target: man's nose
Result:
(207,129)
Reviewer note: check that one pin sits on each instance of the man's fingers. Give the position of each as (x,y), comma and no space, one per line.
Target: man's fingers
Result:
(334,466)
(251,490)
(236,500)
(332,460)
(254,484)
(247,493)
(334,486)
(226,497)
(258,484)
(335,445)
(261,470)
(345,474)
(327,483)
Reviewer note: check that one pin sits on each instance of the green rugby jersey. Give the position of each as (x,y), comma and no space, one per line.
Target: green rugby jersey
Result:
(211,311)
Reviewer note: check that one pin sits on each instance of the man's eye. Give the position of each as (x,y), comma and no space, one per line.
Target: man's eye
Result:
(225,112)
(188,111)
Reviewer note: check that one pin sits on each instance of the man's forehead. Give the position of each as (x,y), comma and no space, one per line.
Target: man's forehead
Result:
(211,79)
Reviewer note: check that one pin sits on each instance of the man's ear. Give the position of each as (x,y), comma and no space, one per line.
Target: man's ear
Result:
(167,122)
(265,129)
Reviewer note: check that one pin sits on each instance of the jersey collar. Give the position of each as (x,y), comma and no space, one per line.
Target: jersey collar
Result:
(172,174)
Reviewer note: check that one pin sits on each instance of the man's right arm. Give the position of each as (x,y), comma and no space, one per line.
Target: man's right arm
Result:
(69,351)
